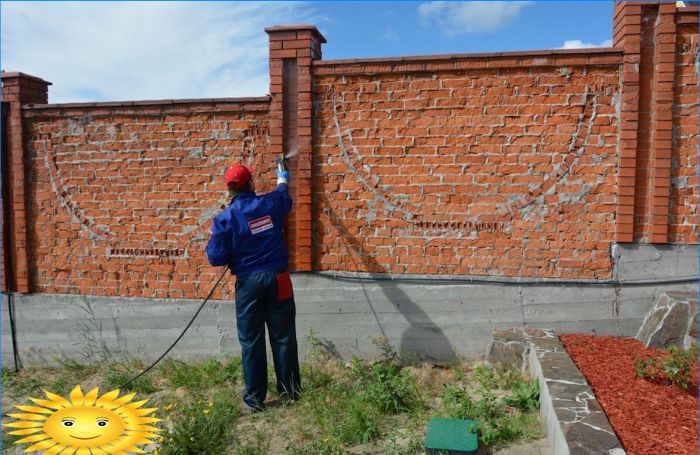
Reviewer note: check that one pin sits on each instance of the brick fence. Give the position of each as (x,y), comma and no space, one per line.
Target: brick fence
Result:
(522,164)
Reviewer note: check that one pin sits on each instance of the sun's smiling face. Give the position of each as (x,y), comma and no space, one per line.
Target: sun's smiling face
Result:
(84,426)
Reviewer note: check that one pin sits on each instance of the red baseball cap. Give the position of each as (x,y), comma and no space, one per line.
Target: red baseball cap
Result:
(237,176)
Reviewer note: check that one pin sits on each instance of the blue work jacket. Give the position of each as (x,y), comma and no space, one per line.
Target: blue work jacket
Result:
(248,234)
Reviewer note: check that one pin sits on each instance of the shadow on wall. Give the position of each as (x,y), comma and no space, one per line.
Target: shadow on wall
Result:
(423,340)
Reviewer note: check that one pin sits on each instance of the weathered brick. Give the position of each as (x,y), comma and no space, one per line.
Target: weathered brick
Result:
(428,147)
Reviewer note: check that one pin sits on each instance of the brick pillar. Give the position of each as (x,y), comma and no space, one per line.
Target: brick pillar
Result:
(646,32)
(18,89)
(292,51)
(664,73)
(627,35)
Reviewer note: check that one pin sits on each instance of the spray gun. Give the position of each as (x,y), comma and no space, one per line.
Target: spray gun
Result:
(281,163)
(282,174)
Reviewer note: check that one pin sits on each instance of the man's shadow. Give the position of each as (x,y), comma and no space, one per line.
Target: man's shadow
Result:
(423,340)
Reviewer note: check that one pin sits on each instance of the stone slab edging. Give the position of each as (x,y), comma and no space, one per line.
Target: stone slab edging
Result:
(576,423)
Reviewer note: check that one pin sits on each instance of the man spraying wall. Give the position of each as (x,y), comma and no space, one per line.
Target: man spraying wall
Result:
(248,238)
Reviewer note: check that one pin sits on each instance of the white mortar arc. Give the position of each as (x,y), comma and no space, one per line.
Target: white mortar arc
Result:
(96,232)
(586,119)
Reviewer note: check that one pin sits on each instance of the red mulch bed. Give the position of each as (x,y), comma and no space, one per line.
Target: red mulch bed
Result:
(650,418)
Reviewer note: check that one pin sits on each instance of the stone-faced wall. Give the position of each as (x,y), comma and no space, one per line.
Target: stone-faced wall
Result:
(673,320)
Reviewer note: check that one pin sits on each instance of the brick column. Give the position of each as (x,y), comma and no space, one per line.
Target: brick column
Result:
(292,51)
(18,89)
(646,32)
(664,72)
(627,35)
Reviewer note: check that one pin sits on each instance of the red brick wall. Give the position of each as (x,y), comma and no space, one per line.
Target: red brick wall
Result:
(654,204)
(507,170)
(122,197)
(683,224)
(17,89)
(525,164)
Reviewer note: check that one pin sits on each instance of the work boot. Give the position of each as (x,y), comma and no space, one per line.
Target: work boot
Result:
(248,410)
(289,399)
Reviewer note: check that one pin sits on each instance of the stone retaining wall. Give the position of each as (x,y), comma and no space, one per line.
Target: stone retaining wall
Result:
(576,423)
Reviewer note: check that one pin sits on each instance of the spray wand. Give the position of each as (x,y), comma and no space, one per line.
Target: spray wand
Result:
(281,163)
(282,174)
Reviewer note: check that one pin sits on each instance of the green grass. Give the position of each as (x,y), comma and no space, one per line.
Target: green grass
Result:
(116,375)
(26,382)
(197,376)
(181,374)
(256,443)
(383,404)
(203,426)
(8,441)
(499,420)
(32,381)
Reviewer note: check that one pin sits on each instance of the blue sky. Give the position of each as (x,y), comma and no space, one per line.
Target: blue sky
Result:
(106,51)
(377,29)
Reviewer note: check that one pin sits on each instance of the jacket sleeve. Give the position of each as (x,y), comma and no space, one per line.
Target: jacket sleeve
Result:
(220,245)
(282,198)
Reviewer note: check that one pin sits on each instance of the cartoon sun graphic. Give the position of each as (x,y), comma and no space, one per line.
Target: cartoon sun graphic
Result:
(85,425)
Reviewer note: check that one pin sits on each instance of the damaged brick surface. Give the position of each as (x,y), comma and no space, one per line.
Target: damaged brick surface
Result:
(509,165)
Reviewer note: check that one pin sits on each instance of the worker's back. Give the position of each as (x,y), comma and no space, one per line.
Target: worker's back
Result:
(248,236)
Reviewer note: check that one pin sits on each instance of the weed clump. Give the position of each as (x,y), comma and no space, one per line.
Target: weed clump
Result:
(499,420)
(349,404)
(196,376)
(386,387)
(202,426)
(118,374)
(525,396)
(674,366)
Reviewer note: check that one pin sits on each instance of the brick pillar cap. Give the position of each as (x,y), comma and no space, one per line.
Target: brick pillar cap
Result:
(17,74)
(296,28)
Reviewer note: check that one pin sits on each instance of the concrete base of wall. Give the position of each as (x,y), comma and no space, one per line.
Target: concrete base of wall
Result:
(428,321)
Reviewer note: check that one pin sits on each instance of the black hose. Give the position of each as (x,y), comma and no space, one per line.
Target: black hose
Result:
(181,335)
(13,331)
(501,282)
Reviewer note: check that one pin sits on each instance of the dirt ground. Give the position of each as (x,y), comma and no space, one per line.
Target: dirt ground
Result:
(281,428)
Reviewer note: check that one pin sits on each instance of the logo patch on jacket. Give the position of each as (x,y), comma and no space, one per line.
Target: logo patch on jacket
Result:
(260,225)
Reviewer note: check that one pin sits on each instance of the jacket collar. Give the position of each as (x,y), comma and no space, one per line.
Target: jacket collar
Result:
(244,195)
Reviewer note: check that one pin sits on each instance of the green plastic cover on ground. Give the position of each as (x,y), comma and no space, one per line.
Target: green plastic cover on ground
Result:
(451,436)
